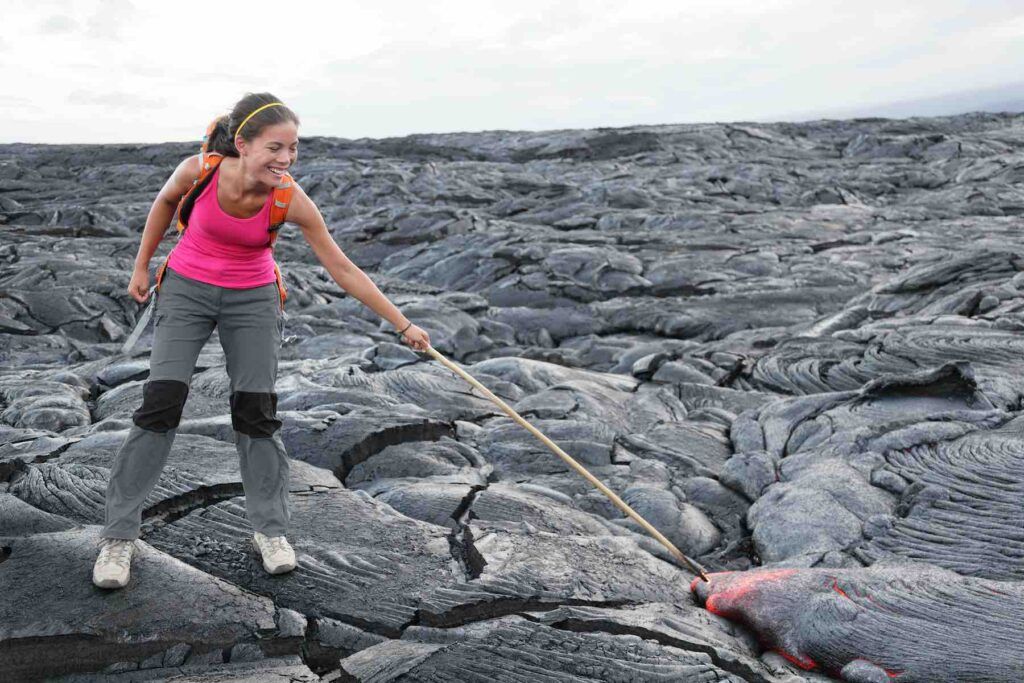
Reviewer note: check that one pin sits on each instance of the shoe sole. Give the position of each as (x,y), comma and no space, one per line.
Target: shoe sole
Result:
(109,583)
(284,569)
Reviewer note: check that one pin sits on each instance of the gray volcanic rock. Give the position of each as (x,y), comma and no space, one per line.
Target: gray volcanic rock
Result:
(55,406)
(22,519)
(514,566)
(685,626)
(97,629)
(948,513)
(20,446)
(269,670)
(445,460)
(870,482)
(794,348)
(514,648)
(360,561)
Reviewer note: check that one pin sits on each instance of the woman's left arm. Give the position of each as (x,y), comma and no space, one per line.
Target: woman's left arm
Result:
(304,213)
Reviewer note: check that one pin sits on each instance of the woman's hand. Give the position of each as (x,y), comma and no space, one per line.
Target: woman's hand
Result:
(416,337)
(139,286)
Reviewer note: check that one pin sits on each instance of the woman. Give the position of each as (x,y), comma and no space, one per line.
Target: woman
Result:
(222,274)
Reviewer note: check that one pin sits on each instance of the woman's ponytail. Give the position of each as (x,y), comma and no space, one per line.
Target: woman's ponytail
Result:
(220,140)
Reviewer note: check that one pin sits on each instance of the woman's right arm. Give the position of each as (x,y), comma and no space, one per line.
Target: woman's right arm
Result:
(160,215)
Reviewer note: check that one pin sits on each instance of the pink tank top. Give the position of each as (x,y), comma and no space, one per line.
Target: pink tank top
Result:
(224,250)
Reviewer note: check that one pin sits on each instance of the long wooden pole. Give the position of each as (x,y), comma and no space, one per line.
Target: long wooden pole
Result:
(621,504)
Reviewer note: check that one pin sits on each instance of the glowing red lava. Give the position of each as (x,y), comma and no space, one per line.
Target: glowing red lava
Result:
(731,599)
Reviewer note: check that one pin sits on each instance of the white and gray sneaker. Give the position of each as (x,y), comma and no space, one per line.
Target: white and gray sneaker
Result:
(278,556)
(113,566)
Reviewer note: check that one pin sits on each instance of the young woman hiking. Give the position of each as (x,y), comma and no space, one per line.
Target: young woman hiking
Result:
(221,273)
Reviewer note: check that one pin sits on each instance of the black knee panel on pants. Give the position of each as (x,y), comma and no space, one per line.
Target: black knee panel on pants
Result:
(162,403)
(254,413)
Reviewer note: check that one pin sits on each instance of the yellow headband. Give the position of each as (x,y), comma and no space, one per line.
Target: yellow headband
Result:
(256,111)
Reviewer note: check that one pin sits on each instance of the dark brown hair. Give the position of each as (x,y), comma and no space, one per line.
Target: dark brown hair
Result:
(222,139)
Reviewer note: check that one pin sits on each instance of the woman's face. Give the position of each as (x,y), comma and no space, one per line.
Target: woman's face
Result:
(268,155)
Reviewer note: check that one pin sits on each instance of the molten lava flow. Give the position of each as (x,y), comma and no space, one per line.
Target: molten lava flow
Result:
(802,662)
(735,595)
(728,600)
(731,601)
(837,589)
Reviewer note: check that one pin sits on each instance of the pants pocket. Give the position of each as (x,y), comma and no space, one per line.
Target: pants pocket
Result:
(279,315)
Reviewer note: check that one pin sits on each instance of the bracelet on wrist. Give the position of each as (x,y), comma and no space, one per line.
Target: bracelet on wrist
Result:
(402,331)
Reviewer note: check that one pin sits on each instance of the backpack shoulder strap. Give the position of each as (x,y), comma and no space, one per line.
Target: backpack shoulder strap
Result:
(278,212)
(208,163)
(279,209)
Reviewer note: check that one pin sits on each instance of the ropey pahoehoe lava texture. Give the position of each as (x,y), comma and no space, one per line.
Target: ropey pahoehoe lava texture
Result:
(793,348)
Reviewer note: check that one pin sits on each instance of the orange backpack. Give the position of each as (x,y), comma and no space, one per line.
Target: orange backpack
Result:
(208,163)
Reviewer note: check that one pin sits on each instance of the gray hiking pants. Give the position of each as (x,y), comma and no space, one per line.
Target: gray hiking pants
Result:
(249,323)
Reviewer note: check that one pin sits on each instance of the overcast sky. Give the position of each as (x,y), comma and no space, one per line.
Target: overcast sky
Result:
(122,71)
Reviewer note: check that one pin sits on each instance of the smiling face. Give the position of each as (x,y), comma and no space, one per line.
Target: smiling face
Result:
(267,156)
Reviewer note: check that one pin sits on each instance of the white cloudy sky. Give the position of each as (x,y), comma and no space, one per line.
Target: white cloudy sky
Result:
(123,71)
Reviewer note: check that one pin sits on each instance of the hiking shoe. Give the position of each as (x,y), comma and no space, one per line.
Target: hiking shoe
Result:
(113,566)
(278,556)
